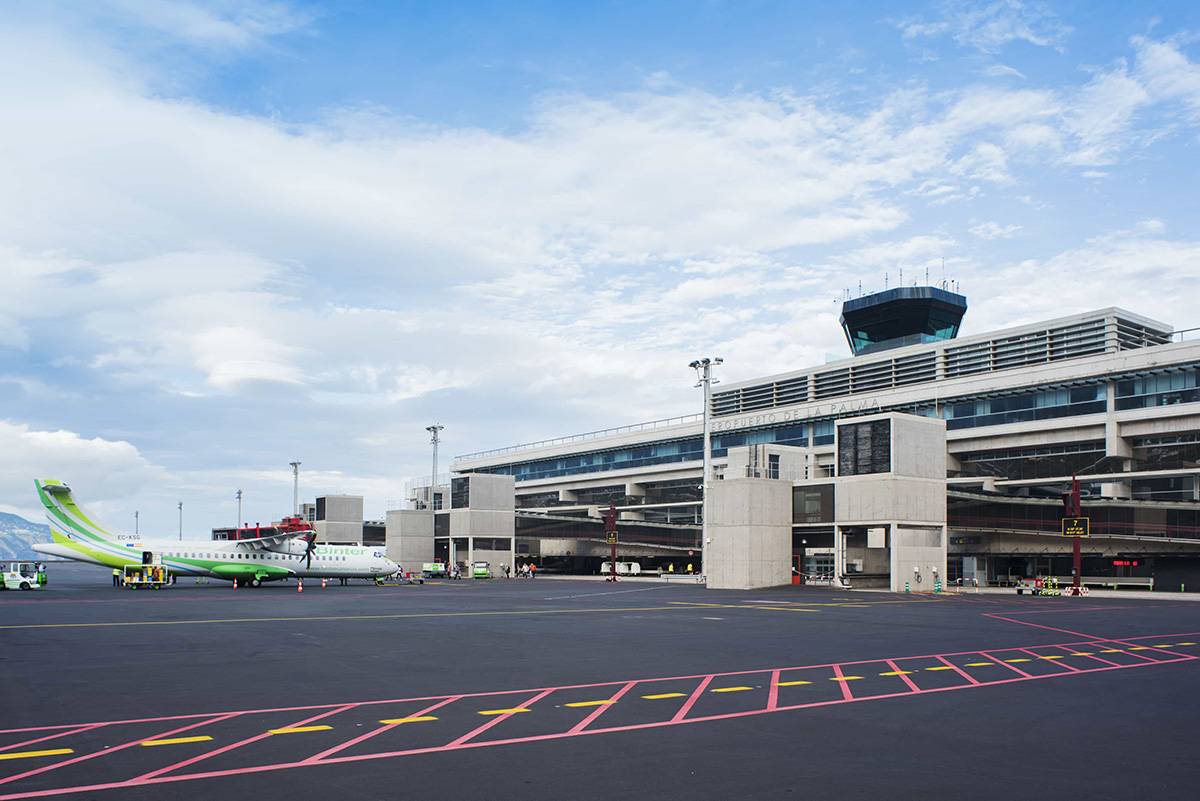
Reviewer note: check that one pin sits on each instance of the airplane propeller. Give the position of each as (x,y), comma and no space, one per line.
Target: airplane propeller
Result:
(310,546)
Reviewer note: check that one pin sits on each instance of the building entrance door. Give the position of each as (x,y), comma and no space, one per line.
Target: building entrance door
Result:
(818,566)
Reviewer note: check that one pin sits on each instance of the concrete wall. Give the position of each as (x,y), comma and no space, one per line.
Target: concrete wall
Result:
(344,508)
(923,548)
(492,492)
(332,531)
(409,537)
(750,533)
(918,446)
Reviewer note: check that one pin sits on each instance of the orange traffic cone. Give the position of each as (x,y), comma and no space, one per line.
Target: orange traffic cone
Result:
(235,584)
(300,585)
(322,582)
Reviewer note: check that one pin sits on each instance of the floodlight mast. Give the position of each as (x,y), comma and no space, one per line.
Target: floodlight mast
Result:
(704,379)
(295,488)
(435,431)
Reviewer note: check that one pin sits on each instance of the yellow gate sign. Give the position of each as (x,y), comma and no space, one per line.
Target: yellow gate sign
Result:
(612,538)
(1076,526)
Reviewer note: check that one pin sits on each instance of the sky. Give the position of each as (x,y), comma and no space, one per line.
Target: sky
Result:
(234,235)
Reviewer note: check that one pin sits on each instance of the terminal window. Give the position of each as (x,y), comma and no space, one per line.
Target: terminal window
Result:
(865,448)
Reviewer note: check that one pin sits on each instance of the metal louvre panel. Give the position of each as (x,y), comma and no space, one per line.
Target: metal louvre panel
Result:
(1132,335)
(831,384)
(914,369)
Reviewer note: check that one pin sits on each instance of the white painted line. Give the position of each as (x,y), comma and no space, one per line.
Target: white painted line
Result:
(714,618)
(614,592)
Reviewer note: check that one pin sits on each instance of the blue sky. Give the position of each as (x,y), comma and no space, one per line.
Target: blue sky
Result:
(237,234)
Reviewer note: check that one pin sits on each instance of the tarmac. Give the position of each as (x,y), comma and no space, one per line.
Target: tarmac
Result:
(584,690)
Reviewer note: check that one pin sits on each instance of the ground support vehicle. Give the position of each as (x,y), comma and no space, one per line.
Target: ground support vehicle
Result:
(481,570)
(433,570)
(136,577)
(22,576)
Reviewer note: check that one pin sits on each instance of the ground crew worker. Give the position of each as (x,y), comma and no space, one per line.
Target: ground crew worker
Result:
(116,577)
(671,568)
(689,568)
(532,570)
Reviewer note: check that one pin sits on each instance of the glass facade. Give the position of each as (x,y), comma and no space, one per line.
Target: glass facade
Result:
(1045,404)
(1159,390)
(960,413)
(680,450)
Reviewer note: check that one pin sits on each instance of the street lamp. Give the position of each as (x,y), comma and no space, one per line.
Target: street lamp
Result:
(181,521)
(135,523)
(239,500)
(704,378)
(435,431)
(295,488)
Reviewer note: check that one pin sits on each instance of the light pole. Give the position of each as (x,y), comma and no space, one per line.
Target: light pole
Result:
(181,521)
(295,488)
(704,378)
(435,431)
(239,500)
(135,523)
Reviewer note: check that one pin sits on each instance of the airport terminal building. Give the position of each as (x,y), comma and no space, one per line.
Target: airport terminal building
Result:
(1109,395)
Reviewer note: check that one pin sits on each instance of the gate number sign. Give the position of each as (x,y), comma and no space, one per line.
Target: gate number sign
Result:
(1076,527)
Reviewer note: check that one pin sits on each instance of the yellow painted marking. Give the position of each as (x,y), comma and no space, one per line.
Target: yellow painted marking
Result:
(1112,651)
(1050,657)
(979,664)
(844,678)
(1140,648)
(299,729)
(418,719)
(896,673)
(1185,643)
(940,667)
(731,689)
(1082,653)
(658,696)
(200,738)
(793,683)
(511,711)
(587,703)
(1165,645)
(31,754)
(1020,659)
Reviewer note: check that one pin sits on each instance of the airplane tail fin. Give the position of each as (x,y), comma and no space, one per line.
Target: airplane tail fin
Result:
(71,526)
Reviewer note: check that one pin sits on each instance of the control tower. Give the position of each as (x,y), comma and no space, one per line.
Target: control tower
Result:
(906,315)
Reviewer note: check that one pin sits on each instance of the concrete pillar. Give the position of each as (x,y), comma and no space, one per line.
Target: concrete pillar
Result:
(1116,445)
(567,495)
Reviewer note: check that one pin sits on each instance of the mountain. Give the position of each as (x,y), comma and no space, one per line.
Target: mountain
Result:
(17,535)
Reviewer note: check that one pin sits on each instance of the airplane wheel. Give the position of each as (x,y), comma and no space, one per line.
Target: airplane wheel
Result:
(255,583)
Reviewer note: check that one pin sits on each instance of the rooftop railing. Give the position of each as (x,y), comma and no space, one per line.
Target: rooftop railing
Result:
(606,432)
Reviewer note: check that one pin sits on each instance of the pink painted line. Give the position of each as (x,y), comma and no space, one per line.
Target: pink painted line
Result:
(239,744)
(846,694)
(540,737)
(1089,656)
(1036,655)
(773,693)
(958,670)
(583,724)
(497,720)
(691,701)
(193,716)
(995,616)
(1013,668)
(891,663)
(66,733)
(374,732)
(114,749)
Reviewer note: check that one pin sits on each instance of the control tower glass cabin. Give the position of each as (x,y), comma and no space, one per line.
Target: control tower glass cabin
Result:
(907,315)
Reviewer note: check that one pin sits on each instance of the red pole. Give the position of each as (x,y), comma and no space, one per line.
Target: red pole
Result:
(610,529)
(1077,512)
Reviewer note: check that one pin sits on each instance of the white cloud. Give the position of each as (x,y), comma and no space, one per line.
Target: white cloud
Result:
(994,230)
(215,24)
(108,468)
(990,26)
(1003,71)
